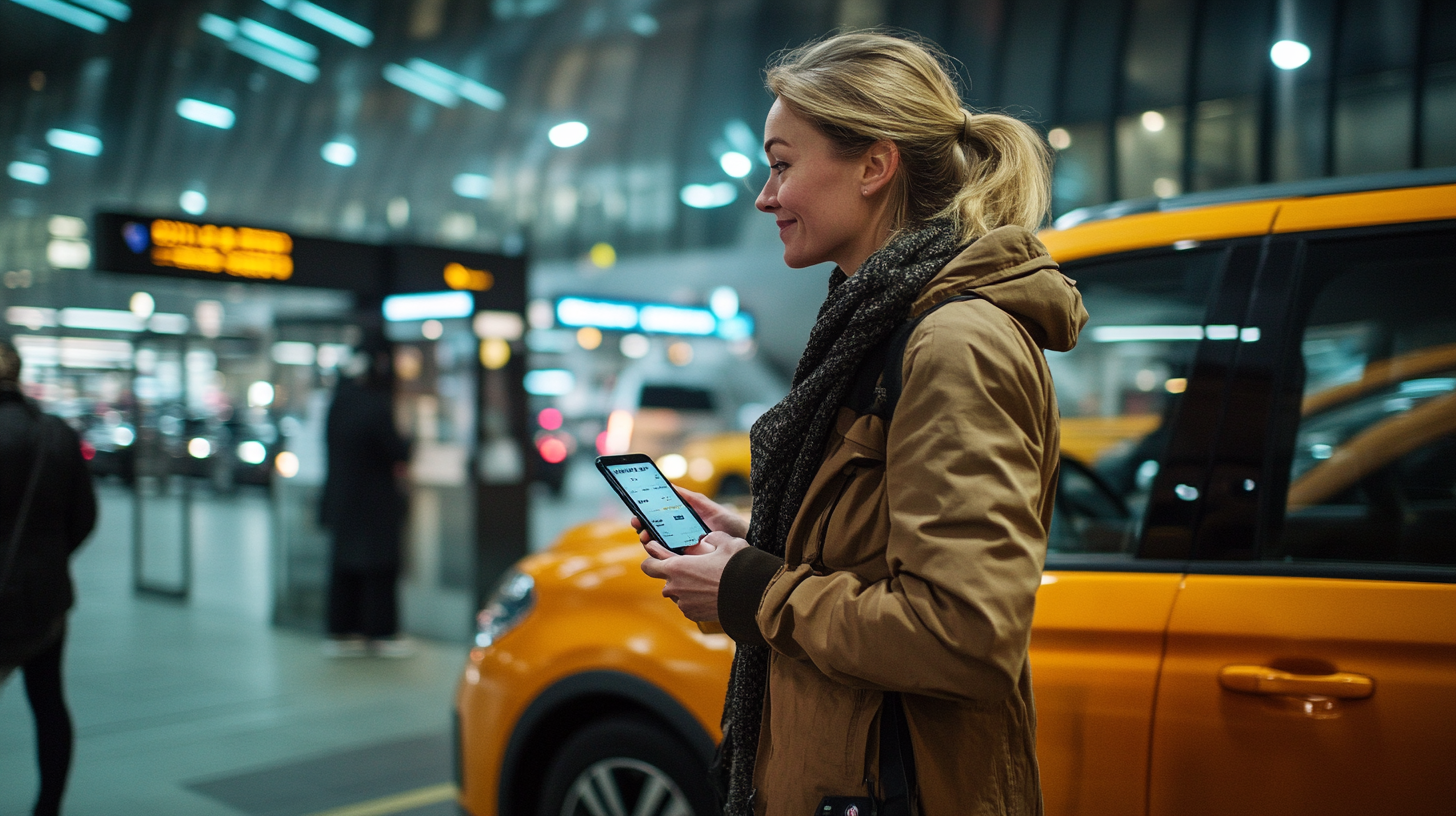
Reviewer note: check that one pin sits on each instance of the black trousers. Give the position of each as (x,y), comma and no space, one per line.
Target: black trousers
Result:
(54,736)
(363,602)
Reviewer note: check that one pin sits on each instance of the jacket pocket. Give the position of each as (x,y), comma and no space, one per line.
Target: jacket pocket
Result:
(815,558)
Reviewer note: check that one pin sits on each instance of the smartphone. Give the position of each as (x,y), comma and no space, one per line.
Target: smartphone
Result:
(652,500)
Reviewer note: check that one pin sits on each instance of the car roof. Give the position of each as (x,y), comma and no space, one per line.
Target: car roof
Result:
(1303,206)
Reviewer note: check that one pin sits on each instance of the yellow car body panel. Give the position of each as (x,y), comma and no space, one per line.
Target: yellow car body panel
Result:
(727,453)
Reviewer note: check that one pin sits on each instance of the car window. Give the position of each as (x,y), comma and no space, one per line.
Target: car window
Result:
(1372,473)
(1119,389)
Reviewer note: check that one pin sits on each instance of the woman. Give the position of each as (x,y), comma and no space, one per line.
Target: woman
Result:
(881,597)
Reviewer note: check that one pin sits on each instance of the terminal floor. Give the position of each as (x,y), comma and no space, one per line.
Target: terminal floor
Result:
(204,709)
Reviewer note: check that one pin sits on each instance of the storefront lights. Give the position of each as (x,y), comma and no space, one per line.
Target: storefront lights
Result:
(568,134)
(1289,54)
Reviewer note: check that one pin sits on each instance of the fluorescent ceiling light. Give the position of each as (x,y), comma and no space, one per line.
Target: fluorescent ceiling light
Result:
(115,9)
(498,325)
(206,113)
(66,226)
(168,323)
(220,27)
(341,153)
(68,253)
(31,317)
(428,306)
(277,40)
(467,88)
(472,185)
(282,63)
(677,320)
(66,12)
(192,202)
(83,143)
(341,27)
(100,319)
(735,164)
(418,85)
(708,196)
(737,327)
(602,314)
(568,134)
(287,352)
(1133,334)
(549,382)
(28,172)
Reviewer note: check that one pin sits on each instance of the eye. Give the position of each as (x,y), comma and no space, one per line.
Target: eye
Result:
(778,167)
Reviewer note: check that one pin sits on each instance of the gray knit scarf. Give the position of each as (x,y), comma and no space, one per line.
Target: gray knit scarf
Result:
(787,444)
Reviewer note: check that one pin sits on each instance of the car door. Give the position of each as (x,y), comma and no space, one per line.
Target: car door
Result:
(1138,396)
(1311,652)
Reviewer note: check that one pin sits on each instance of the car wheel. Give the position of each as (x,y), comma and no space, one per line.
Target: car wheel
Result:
(625,766)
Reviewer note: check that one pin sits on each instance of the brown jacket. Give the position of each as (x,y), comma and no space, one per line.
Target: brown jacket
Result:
(914,561)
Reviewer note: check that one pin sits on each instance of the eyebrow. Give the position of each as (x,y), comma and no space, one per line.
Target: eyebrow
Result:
(771,142)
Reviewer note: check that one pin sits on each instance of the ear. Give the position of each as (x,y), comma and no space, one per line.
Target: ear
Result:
(878,166)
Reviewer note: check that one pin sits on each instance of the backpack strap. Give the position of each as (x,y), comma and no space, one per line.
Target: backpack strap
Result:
(881,378)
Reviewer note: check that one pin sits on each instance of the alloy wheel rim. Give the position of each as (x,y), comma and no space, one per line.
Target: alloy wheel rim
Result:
(621,786)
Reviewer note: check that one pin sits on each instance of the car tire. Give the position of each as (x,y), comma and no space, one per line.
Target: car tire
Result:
(631,759)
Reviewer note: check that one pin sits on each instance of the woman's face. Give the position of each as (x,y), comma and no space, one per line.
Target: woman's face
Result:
(827,208)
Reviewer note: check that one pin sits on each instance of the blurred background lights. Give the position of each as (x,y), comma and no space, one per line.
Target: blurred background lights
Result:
(708,196)
(287,464)
(635,346)
(142,305)
(589,337)
(340,153)
(252,452)
(550,419)
(432,329)
(28,172)
(472,185)
(192,202)
(494,353)
(199,448)
(1164,187)
(603,256)
(723,301)
(206,113)
(553,449)
(550,382)
(700,468)
(1059,138)
(1153,122)
(680,353)
(735,164)
(673,466)
(260,394)
(83,143)
(66,226)
(1289,54)
(568,134)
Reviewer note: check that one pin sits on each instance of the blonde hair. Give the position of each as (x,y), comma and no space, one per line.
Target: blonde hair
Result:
(980,170)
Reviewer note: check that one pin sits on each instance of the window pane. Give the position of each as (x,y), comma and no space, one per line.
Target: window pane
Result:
(1150,153)
(1438,134)
(1119,388)
(1080,176)
(1373,474)
(1375,102)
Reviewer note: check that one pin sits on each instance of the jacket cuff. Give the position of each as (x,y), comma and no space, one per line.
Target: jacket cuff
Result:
(745,578)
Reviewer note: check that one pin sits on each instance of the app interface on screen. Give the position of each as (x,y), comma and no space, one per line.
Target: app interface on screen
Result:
(661,505)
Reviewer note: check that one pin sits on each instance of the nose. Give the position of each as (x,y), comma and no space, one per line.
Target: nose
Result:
(767,200)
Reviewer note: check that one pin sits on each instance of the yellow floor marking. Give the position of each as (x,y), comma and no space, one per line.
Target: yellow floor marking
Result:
(398,803)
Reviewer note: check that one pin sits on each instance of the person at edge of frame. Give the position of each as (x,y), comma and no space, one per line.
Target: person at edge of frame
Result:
(36,591)
(881,593)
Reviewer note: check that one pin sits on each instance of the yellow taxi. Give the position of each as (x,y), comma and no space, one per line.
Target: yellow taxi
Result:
(1249,603)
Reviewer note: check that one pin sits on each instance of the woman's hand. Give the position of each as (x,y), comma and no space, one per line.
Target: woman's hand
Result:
(692,578)
(719,518)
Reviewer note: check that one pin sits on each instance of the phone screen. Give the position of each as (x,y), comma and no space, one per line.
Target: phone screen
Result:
(659,504)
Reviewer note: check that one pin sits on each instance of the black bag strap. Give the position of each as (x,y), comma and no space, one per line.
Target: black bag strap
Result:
(881,379)
(897,759)
(24,512)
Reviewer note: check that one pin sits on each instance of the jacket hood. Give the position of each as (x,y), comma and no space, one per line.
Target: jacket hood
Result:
(1011,269)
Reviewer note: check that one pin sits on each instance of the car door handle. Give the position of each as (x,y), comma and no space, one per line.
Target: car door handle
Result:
(1267,680)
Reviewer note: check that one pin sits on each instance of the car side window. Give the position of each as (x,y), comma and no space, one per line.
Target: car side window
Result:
(1119,389)
(1372,473)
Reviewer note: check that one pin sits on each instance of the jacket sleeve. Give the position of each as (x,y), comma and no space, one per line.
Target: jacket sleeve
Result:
(80,519)
(964,481)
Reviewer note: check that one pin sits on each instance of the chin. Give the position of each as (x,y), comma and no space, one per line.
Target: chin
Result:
(797,259)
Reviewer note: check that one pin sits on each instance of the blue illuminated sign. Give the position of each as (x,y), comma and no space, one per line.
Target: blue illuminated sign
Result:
(653,318)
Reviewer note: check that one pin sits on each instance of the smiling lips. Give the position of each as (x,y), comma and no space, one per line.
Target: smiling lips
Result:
(783,225)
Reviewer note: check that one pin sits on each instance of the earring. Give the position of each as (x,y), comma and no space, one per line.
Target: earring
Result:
(864,191)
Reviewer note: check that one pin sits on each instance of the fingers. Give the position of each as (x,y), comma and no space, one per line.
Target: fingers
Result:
(657,551)
(655,568)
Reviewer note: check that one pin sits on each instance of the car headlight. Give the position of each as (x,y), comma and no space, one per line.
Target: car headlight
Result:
(508,606)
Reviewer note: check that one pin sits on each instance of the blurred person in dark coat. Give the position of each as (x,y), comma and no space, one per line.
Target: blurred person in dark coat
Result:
(365,508)
(35,578)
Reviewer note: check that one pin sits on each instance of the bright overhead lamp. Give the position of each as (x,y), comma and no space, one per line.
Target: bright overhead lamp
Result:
(568,134)
(206,113)
(192,202)
(1289,54)
(421,86)
(428,306)
(115,9)
(265,45)
(68,13)
(462,86)
(83,143)
(340,153)
(708,196)
(339,26)
(723,302)
(549,382)
(735,164)
(28,172)
(1153,122)
(472,185)
(282,63)
(277,40)
(142,304)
